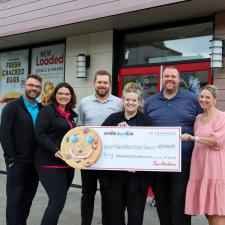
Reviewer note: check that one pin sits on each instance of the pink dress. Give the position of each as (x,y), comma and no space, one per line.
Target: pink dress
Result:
(206,186)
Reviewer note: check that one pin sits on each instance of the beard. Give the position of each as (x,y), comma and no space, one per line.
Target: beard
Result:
(32,94)
(102,92)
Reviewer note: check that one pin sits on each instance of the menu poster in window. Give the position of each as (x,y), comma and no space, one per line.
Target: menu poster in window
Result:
(48,62)
(13,73)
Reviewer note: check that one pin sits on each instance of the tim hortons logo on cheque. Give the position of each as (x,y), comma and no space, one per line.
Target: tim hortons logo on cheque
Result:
(50,60)
(119,133)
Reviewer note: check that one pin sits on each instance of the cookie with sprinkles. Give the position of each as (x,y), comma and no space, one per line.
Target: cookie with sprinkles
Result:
(81,147)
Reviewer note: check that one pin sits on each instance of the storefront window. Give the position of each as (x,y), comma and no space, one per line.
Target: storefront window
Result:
(168,45)
(194,80)
(147,82)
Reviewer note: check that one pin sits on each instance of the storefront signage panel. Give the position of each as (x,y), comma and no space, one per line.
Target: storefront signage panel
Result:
(13,73)
(48,62)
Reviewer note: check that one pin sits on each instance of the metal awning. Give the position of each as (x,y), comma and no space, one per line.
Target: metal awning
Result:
(152,16)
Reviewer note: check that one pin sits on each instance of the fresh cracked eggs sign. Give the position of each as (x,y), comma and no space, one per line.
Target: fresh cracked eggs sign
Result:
(13,73)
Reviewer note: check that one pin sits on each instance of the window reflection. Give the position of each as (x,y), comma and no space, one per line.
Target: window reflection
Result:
(172,44)
(194,80)
(147,82)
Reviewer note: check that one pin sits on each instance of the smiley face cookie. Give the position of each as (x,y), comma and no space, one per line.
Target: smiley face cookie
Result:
(81,147)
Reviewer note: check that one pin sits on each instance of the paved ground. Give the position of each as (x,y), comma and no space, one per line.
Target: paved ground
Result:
(71,212)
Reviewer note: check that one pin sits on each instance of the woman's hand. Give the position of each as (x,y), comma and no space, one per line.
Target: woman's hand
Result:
(203,140)
(131,171)
(187,137)
(123,124)
(58,155)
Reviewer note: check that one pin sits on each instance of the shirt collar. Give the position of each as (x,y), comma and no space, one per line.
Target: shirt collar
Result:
(28,104)
(179,94)
(106,100)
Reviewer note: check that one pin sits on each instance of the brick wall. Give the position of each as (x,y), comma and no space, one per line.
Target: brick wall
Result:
(219,74)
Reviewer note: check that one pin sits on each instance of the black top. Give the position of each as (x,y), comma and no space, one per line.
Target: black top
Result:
(50,130)
(17,132)
(140,119)
(140,179)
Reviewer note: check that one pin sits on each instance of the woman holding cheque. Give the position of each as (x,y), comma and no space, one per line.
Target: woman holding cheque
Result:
(206,186)
(52,124)
(123,190)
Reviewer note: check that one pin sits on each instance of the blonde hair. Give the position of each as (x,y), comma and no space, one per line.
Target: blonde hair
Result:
(212,89)
(132,87)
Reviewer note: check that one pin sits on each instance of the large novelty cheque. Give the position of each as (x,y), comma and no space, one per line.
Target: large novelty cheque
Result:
(127,148)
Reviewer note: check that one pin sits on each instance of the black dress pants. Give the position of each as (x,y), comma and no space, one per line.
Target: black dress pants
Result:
(89,187)
(118,198)
(170,191)
(21,186)
(56,182)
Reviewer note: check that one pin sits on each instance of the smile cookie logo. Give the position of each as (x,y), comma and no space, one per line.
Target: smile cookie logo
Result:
(81,147)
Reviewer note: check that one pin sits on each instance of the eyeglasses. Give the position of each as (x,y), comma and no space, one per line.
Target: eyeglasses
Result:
(34,86)
(61,94)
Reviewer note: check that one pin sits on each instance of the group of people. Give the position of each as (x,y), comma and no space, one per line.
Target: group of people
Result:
(31,135)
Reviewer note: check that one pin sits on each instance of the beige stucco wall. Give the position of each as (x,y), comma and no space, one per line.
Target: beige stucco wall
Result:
(99,47)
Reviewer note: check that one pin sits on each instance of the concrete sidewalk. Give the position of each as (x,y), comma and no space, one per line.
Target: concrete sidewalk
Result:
(71,212)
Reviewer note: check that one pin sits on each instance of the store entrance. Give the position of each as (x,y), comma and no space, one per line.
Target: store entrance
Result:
(193,76)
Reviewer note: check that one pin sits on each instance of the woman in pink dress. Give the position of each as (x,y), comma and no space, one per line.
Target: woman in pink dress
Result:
(206,187)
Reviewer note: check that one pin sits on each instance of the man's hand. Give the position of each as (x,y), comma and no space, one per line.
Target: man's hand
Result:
(11,164)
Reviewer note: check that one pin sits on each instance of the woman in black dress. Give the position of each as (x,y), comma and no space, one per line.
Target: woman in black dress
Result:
(53,122)
(126,190)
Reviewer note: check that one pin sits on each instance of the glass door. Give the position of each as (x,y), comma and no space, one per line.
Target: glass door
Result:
(147,77)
